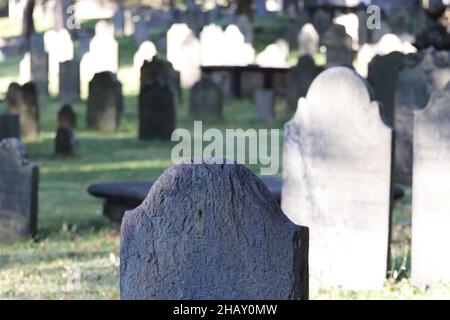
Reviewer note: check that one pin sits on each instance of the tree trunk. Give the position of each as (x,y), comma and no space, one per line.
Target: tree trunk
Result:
(27,24)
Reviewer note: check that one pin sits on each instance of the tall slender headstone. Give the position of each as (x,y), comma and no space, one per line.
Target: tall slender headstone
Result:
(216,232)
(430,258)
(337,180)
(299,78)
(105,102)
(69,81)
(18,192)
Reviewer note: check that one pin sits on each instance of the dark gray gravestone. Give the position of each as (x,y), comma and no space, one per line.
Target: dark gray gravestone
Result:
(69,81)
(211,231)
(157,112)
(67,118)
(206,100)
(105,103)
(265,104)
(160,71)
(322,21)
(328,185)
(339,47)
(18,192)
(383,76)
(65,142)
(299,78)
(423,73)
(9,126)
(431,186)
(39,64)
(23,100)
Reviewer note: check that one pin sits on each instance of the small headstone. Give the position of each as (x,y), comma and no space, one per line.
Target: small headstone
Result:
(299,78)
(23,101)
(327,185)
(206,100)
(265,104)
(339,47)
(430,263)
(9,126)
(308,40)
(69,81)
(216,232)
(67,118)
(65,142)
(105,102)
(157,111)
(18,192)
(322,22)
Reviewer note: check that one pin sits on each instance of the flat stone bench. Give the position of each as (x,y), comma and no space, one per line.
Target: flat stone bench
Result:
(122,196)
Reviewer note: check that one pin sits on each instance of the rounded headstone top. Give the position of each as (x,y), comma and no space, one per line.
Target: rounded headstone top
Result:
(15,149)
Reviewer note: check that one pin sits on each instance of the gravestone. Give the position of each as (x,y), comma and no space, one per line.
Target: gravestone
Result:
(423,73)
(157,111)
(67,118)
(160,71)
(339,47)
(299,78)
(9,126)
(206,100)
(146,52)
(328,185)
(308,40)
(60,48)
(350,22)
(383,76)
(430,220)
(65,144)
(322,22)
(239,53)
(23,101)
(105,102)
(18,192)
(69,81)
(216,232)
(265,104)
(275,55)
(212,47)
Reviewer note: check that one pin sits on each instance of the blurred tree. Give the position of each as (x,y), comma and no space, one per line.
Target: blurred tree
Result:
(27,23)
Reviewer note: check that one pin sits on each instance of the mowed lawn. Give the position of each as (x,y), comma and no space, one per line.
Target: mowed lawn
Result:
(76,252)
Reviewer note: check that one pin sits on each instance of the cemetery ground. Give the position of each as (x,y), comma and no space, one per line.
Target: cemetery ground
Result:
(76,252)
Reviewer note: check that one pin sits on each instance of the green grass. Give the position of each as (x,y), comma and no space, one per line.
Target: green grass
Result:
(75,255)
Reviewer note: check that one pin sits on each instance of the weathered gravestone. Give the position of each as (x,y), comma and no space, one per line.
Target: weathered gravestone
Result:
(9,126)
(67,118)
(18,192)
(337,180)
(69,81)
(23,101)
(383,76)
(212,49)
(161,71)
(105,102)
(265,104)
(157,111)
(339,47)
(308,40)
(299,78)
(206,100)
(216,232)
(431,186)
(423,73)
(65,143)
(322,22)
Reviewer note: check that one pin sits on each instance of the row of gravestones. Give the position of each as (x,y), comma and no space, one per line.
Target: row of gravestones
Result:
(216,245)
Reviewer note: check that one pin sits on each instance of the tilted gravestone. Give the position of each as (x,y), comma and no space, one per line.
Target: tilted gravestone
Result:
(69,81)
(206,100)
(422,74)
(430,262)
(157,111)
(339,47)
(18,192)
(67,117)
(105,102)
(9,126)
(299,78)
(383,76)
(23,101)
(215,232)
(337,180)
(65,143)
